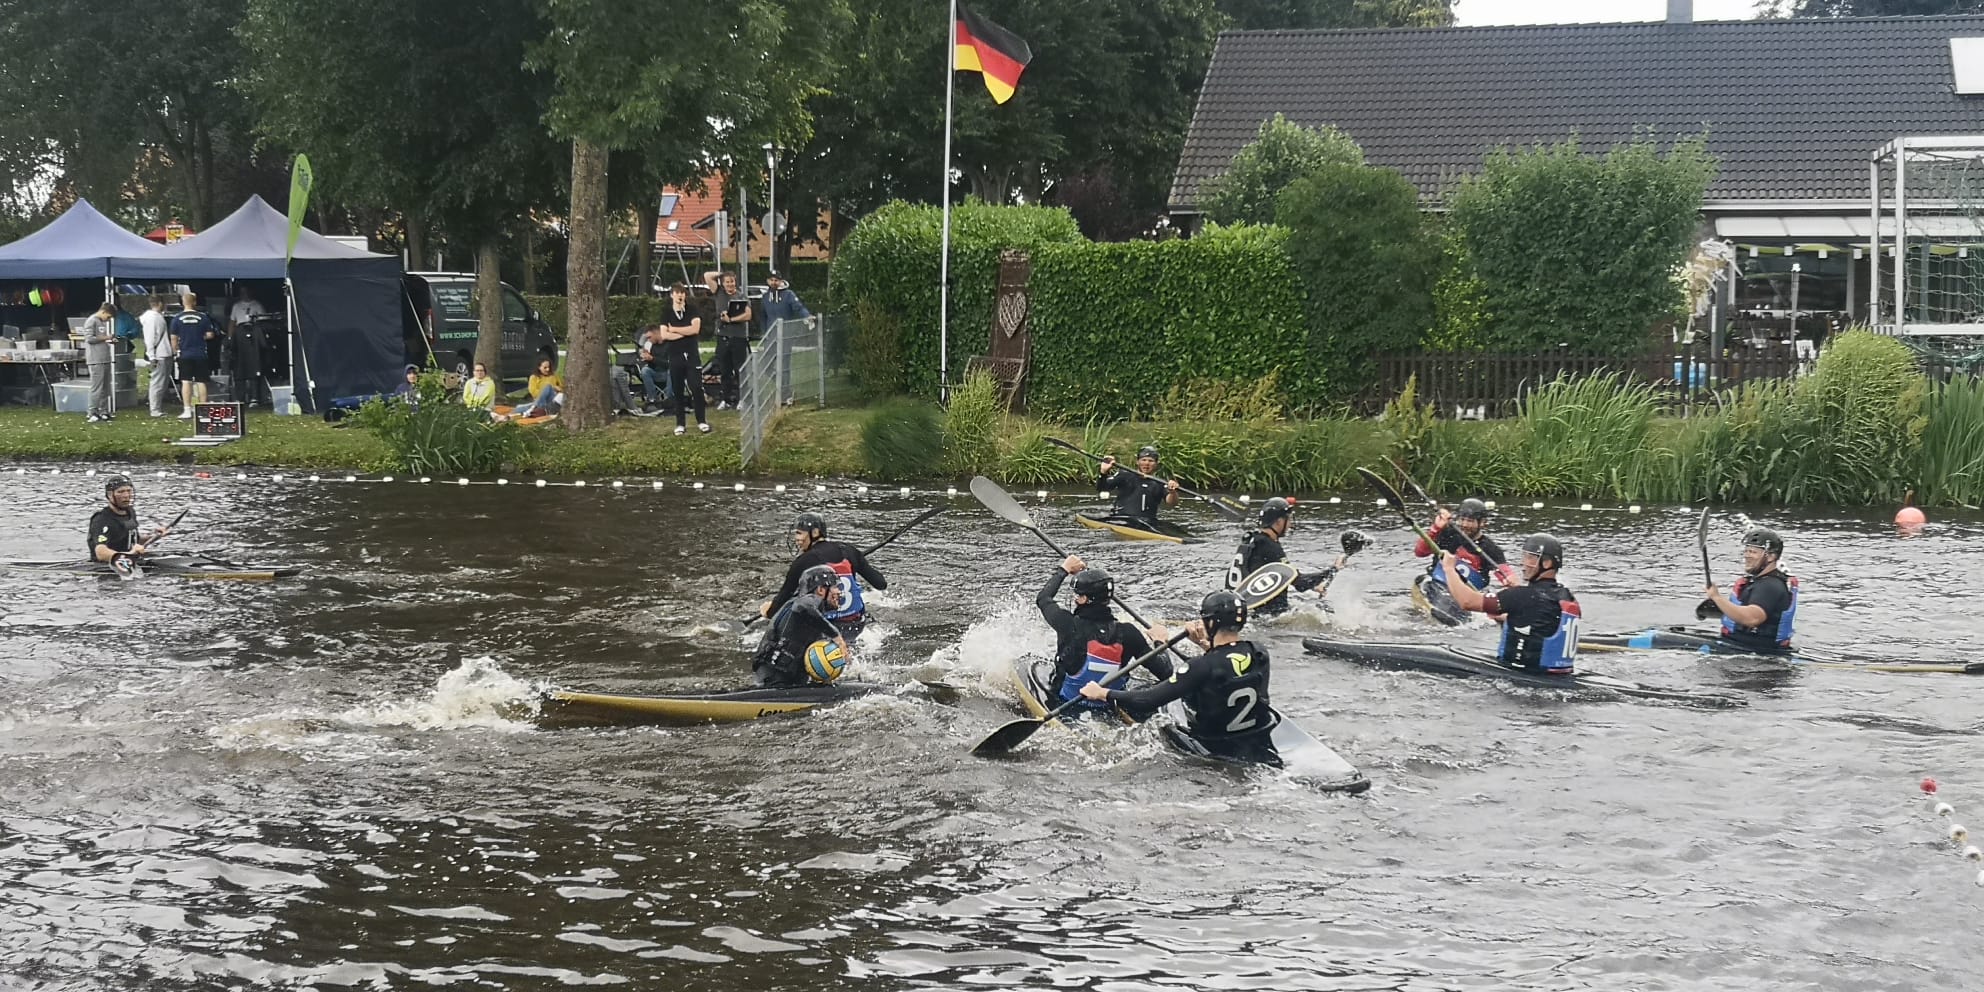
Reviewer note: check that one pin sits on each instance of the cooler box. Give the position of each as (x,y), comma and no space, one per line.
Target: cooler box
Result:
(72,397)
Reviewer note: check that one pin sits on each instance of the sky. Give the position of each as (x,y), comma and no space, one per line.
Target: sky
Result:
(1471,12)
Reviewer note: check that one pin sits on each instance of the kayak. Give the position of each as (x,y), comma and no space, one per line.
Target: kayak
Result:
(1137,528)
(568,706)
(178,566)
(1443,660)
(1710,642)
(1433,599)
(1297,752)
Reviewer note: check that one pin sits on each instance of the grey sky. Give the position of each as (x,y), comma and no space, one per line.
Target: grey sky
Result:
(1469,12)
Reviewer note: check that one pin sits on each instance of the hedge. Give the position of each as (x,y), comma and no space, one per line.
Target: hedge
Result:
(891,261)
(1116,325)
(623,314)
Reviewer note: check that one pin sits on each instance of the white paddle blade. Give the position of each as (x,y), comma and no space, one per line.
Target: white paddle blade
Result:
(1267,582)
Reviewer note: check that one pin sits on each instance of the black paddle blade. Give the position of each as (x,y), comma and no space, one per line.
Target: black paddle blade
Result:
(1003,740)
(1000,502)
(1354,541)
(1383,488)
(1267,582)
(1225,509)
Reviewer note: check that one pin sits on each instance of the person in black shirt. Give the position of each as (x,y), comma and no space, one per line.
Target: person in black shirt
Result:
(681,327)
(114,530)
(1539,618)
(1760,617)
(1225,689)
(1090,644)
(846,561)
(780,660)
(1139,493)
(1263,547)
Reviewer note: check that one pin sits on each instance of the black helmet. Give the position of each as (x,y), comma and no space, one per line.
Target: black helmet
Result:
(812,525)
(1222,610)
(819,578)
(1544,546)
(1472,509)
(1765,538)
(117,482)
(1275,509)
(1094,583)
(1147,451)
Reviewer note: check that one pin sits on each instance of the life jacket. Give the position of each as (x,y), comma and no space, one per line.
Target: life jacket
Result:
(1558,654)
(1467,565)
(1100,661)
(1232,702)
(1785,621)
(851,604)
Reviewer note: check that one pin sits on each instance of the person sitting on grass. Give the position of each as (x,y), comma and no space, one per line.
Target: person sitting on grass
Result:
(479,393)
(547,392)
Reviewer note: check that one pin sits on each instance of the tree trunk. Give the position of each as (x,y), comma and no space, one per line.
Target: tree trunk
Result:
(416,242)
(530,256)
(648,216)
(489,306)
(585,291)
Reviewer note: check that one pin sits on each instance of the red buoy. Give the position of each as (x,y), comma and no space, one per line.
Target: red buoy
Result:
(1929,786)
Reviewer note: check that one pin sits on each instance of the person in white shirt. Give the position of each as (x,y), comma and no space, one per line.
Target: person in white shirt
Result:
(158,350)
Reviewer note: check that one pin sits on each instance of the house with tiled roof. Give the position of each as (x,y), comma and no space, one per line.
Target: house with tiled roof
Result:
(685,225)
(1793,110)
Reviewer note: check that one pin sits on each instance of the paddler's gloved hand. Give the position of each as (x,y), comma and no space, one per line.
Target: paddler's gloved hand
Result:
(1506,575)
(1707,610)
(1310,580)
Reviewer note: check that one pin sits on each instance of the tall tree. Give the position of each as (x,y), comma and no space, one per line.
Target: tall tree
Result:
(1867,8)
(688,82)
(421,106)
(1252,15)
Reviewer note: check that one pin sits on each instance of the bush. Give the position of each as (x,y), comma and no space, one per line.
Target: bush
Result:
(1573,248)
(890,261)
(901,440)
(624,314)
(875,347)
(1116,325)
(972,425)
(1031,461)
(1280,153)
(439,436)
(1368,260)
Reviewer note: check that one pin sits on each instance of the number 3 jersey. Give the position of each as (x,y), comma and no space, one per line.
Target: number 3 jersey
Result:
(1225,690)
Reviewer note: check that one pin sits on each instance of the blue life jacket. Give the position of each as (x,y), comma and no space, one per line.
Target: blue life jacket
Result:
(1785,621)
(1102,661)
(1468,573)
(1559,652)
(851,604)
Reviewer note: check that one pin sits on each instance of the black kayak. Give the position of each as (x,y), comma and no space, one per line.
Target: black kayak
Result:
(1711,642)
(1296,751)
(1443,660)
(1433,599)
(567,707)
(1136,528)
(175,565)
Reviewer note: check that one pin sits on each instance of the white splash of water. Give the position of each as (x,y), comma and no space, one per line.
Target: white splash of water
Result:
(985,652)
(478,693)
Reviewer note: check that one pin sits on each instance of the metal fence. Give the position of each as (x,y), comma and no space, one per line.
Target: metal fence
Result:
(1491,385)
(797,361)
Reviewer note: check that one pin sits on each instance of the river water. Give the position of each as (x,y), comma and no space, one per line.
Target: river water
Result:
(335,781)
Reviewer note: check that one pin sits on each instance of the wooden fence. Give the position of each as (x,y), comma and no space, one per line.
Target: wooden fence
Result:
(1467,384)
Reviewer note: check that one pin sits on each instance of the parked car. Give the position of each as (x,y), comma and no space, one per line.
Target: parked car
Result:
(440,320)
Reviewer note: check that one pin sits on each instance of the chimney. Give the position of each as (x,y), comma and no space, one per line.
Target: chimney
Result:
(1680,11)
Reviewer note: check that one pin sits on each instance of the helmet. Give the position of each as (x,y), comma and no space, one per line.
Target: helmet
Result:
(1094,583)
(1222,610)
(1275,509)
(819,578)
(1147,451)
(1544,546)
(1765,538)
(115,483)
(1472,509)
(811,524)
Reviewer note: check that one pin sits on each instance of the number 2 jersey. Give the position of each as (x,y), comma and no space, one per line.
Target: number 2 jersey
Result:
(1225,690)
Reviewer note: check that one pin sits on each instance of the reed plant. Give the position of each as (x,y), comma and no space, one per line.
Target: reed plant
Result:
(902,440)
(1950,467)
(973,424)
(1030,461)
(1581,436)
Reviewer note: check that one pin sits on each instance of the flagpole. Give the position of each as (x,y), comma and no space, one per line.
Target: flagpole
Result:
(944,190)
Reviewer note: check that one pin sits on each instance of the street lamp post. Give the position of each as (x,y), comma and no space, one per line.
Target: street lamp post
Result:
(771,202)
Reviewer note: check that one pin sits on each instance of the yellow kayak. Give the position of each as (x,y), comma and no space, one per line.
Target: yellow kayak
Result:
(569,707)
(1135,529)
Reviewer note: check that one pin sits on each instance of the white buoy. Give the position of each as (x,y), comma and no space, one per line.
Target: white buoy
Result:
(779,488)
(1536,505)
(315,479)
(351,478)
(1335,500)
(861,489)
(1584,506)
(819,488)
(385,478)
(1635,508)
(905,490)
(1041,493)
(617,484)
(739,487)
(1958,834)
(657,483)
(502,482)
(425,479)
(90,472)
(54,471)
(277,478)
(461,481)
(948,491)
(1245,499)
(1980,878)
(1944,809)
(580,483)
(1489,503)
(698,485)
(541,483)
(1974,853)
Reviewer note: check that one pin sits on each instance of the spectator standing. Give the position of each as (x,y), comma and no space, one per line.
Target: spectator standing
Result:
(681,329)
(99,332)
(782,304)
(158,351)
(245,340)
(733,337)
(193,334)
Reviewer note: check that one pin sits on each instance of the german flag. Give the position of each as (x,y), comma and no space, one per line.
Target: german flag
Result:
(991,51)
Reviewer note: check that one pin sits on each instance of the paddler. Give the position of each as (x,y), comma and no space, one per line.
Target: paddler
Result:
(802,619)
(1225,689)
(1760,616)
(809,532)
(114,530)
(1090,644)
(1539,618)
(1138,495)
(1263,547)
(1451,533)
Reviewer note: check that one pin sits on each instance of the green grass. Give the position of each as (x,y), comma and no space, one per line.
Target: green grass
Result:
(33,433)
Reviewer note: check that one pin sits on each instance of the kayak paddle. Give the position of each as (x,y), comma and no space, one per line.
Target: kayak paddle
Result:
(1396,502)
(879,545)
(1225,509)
(1413,484)
(1002,504)
(1706,608)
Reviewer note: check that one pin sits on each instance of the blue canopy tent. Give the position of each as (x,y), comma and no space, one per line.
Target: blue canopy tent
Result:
(343,302)
(77,245)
